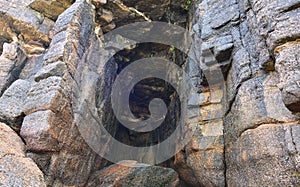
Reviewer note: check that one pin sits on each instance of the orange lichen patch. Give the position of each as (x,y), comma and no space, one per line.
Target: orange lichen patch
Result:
(286,45)
(118,169)
(10,143)
(244,155)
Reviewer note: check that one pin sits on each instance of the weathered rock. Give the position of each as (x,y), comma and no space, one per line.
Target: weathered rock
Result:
(64,165)
(15,168)
(33,65)
(272,20)
(12,103)
(288,68)
(258,102)
(70,42)
(51,126)
(19,22)
(155,10)
(11,62)
(10,142)
(239,72)
(246,37)
(53,69)
(134,174)
(244,135)
(47,94)
(51,9)
(98,3)
(265,156)
(121,12)
(205,154)
(203,161)
(40,131)
(253,132)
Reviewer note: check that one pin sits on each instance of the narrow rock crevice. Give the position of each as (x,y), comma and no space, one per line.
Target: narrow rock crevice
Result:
(56,95)
(290,8)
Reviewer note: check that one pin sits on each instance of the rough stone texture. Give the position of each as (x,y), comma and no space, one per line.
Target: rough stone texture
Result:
(47,94)
(288,68)
(20,23)
(40,132)
(11,62)
(202,162)
(50,128)
(134,175)
(258,102)
(249,40)
(56,79)
(255,126)
(262,103)
(273,23)
(32,66)
(51,9)
(121,12)
(68,51)
(15,168)
(12,103)
(267,155)
(53,69)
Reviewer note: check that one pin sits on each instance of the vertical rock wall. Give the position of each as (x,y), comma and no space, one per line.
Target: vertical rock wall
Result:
(51,83)
(255,44)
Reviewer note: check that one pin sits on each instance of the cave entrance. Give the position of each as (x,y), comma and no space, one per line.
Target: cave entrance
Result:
(145,91)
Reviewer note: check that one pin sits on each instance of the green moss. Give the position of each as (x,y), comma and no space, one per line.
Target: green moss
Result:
(172,48)
(187,4)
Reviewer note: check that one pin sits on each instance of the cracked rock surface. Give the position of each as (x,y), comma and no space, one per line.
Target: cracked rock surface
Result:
(56,79)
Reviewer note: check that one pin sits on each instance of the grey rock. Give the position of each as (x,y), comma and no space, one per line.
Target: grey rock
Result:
(205,154)
(32,66)
(270,151)
(239,72)
(11,62)
(62,47)
(48,94)
(40,131)
(257,102)
(134,174)
(272,19)
(288,68)
(15,168)
(12,102)
(244,135)
(53,69)
(73,55)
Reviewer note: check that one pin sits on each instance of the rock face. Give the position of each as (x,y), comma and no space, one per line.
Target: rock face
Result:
(21,23)
(287,66)
(41,107)
(56,79)
(12,102)
(256,53)
(51,9)
(15,168)
(131,173)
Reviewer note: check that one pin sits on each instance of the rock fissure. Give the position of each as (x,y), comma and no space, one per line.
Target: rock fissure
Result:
(56,80)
